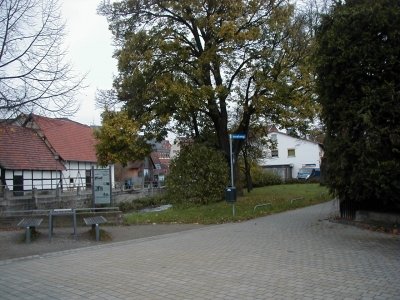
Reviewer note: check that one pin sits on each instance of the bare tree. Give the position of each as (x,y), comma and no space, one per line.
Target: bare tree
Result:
(34,76)
(107,99)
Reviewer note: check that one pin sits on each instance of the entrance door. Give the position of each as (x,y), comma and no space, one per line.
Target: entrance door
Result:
(88,178)
(18,185)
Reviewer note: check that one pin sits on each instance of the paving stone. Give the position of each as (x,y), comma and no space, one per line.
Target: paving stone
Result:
(291,255)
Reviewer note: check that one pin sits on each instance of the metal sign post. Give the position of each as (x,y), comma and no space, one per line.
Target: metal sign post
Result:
(231,156)
(231,192)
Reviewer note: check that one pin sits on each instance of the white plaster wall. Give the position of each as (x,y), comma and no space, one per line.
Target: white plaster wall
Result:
(175,148)
(76,172)
(48,180)
(33,179)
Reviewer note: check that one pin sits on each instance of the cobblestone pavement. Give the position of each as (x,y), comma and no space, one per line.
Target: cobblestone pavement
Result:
(292,255)
(12,240)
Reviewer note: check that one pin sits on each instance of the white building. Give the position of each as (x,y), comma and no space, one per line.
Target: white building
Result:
(45,154)
(289,154)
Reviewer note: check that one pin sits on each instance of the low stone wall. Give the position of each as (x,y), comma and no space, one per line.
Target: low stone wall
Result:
(67,199)
(367,216)
(131,195)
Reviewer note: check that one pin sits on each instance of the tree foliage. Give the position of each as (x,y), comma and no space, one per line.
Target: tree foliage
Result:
(211,67)
(252,150)
(33,74)
(358,71)
(198,175)
(119,139)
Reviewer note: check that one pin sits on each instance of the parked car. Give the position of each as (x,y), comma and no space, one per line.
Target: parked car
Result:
(309,173)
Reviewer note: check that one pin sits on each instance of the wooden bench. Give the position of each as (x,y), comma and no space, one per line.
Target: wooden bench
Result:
(28,224)
(95,222)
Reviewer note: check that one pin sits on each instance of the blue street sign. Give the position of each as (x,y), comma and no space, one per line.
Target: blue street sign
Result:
(238,136)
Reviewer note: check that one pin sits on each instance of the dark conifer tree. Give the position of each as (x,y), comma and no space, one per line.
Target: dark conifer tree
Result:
(358,67)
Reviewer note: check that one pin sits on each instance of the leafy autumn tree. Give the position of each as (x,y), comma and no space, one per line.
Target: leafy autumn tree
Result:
(119,139)
(210,68)
(358,71)
(34,76)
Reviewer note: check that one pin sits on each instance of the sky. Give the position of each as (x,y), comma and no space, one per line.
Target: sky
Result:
(89,45)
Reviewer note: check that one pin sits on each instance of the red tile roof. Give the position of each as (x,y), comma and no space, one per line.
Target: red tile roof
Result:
(137,164)
(22,149)
(72,140)
(155,158)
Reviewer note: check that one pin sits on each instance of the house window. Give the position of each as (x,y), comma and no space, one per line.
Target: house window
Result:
(88,177)
(274,149)
(291,152)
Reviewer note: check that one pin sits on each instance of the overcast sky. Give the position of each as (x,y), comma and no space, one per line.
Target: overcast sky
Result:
(89,45)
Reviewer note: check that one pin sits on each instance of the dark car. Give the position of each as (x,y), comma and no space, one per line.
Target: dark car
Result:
(309,173)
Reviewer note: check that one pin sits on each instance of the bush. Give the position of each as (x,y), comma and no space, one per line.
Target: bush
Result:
(198,175)
(302,181)
(262,177)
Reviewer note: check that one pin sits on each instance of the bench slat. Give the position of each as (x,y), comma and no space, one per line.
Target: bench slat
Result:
(30,222)
(95,220)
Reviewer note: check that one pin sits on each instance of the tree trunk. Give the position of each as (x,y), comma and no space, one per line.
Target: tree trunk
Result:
(249,181)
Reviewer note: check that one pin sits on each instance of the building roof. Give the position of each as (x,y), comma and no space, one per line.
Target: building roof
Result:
(296,138)
(155,158)
(137,164)
(71,140)
(22,149)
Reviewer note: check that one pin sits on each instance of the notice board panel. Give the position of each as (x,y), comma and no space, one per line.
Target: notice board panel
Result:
(101,186)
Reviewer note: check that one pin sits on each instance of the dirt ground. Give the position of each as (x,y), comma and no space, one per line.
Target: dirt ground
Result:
(12,240)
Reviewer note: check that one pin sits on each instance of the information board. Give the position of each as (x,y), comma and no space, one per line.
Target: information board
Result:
(101,186)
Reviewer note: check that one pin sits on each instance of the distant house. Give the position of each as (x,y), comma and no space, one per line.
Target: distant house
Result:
(161,157)
(179,142)
(68,146)
(161,168)
(150,171)
(289,154)
(163,151)
(136,174)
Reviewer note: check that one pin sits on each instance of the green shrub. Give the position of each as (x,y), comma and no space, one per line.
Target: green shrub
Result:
(294,181)
(198,175)
(262,177)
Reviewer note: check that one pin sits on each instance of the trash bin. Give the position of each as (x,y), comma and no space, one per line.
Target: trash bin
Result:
(230,194)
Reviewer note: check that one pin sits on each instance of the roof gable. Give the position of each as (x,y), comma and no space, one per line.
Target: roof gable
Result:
(71,140)
(295,138)
(22,149)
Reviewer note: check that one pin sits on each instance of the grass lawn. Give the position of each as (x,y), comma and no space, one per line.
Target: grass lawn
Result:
(279,198)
